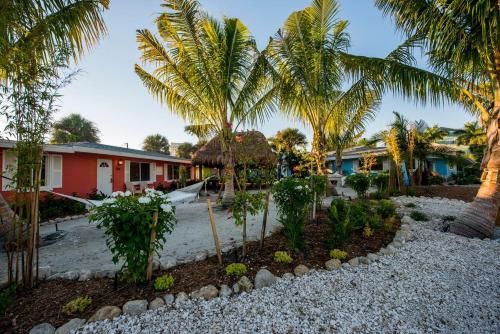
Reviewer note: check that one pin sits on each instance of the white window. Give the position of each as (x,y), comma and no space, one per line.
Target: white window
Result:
(171,172)
(139,171)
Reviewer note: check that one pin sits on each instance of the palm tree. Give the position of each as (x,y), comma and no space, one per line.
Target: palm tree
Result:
(471,134)
(462,40)
(156,143)
(186,150)
(208,72)
(288,140)
(306,57)
(37,30)
(74,128)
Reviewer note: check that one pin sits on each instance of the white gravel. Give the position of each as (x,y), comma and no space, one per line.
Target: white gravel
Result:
(437,282)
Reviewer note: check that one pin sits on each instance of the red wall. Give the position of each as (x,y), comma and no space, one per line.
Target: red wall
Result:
(80,172)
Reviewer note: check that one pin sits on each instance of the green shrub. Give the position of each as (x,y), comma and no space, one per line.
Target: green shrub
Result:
(338,254)
(367,231)
(54,207)
(358,214)
(77,305)
(340,226)
(359,182)
(410,205)
(236,269)
(293,198)
(436,180)
(7,297)
(282,257)
(419,216)
(380,181)
(389,224)
(386,208)
(375,221)
(164,282)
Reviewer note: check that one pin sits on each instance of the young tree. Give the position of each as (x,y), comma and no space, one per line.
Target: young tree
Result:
(209,72)
(74,128)
(156,143)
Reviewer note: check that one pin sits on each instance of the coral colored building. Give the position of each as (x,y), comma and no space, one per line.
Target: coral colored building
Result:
(83,167)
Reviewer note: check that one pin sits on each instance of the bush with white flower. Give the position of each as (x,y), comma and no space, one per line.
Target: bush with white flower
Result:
(128,222)
(293,198)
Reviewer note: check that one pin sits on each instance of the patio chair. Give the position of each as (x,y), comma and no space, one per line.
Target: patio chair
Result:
(133,188)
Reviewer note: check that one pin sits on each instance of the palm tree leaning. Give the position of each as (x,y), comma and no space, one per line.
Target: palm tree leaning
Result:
(74,128)
(462,39)
(208,72)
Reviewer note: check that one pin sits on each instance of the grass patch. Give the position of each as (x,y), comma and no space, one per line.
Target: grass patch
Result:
(419,216)
(7,297)
(410,205)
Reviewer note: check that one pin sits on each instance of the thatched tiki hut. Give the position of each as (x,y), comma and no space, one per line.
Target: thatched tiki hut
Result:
(249,147)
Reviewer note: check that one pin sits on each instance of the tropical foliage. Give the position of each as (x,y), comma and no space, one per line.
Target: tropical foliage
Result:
(156,143)
(209,72)
(471,134)
(74,128)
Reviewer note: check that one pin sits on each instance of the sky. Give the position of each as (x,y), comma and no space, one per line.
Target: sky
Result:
(109,93)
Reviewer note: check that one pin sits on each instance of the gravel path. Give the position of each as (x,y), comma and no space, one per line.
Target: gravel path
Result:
(437,282)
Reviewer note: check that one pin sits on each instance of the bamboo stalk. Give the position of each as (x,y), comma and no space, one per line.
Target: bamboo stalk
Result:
(152,239)
(264,221)
(214,231)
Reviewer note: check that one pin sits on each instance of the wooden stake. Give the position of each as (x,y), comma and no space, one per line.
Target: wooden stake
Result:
(214,231)
(264,220)
(152,239)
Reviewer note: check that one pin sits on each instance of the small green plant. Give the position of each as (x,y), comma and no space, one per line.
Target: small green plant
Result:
(419,216)
(236,269)
(164,282)
(386,208)
(282,257)
(7,297)
(410,205)
(367,231)
(360,183)
(338,254)
(389,224)
(77,305)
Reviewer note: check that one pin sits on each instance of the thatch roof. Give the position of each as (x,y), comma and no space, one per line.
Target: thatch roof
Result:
(251,146)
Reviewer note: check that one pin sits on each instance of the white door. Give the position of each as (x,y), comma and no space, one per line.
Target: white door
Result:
(105,176)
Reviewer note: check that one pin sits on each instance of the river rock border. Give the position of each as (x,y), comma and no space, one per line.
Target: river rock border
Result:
(263,279)
(63,219)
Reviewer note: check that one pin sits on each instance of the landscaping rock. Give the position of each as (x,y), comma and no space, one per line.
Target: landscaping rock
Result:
(396,244)
(181,298)
(372,257)
(407,220)
(225,291)
(135,307)
(288,276)
(85,275)
(156,303)
(333,264)
(201,256)
(169,299)
(264,278)
(345,265)
(364,260)
(245,284)
(236,288)
(70,326)
(106,312)
(71,275)
(208,292)
(168,264)
(354,261)
(300,270)
(44,328)
(44,272)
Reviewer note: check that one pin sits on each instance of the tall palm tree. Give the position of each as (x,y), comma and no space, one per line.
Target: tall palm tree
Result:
(36,30)
(288,140)
(74,128)
(471,134)
(156,143)
(208,72)
(462,39)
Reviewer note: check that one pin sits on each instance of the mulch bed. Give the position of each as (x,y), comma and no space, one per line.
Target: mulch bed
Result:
(464,193)
(44,303)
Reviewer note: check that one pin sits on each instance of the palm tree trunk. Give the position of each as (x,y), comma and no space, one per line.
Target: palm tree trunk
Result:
(479,218)
(338,161)
(318,152)
(228,196)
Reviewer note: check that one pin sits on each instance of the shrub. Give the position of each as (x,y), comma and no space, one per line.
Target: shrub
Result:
(389,224)
(436,180)
(410,205)
(340,226)
(358,214)
(282,257)
(374,221)
(386,208)
(293,198)
(359,182)
(77,305)
(338,254)
(380,181)
(367,231)
(54,207)
(164,282)
(419,216)
(96,195)
(128,223)
(236,269)
(7,297)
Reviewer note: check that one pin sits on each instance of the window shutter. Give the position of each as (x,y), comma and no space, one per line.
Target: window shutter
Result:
(56,166)
(152,172)
(9,169)
(127,170)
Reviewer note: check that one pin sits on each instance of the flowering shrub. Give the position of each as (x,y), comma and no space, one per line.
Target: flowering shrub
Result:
(282,257)
(77,305)
(293,198)
(338,254)
(236,269)
(164,282)
(128,222)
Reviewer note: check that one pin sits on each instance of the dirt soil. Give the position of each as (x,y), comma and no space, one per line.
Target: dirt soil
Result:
(464,193)
(44,303)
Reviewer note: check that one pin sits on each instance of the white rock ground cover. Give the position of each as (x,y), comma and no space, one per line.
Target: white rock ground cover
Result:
(436,282)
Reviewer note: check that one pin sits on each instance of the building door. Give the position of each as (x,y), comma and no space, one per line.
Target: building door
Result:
(105,176)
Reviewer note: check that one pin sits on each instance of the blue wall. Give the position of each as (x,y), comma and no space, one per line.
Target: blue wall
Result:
(441,167)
